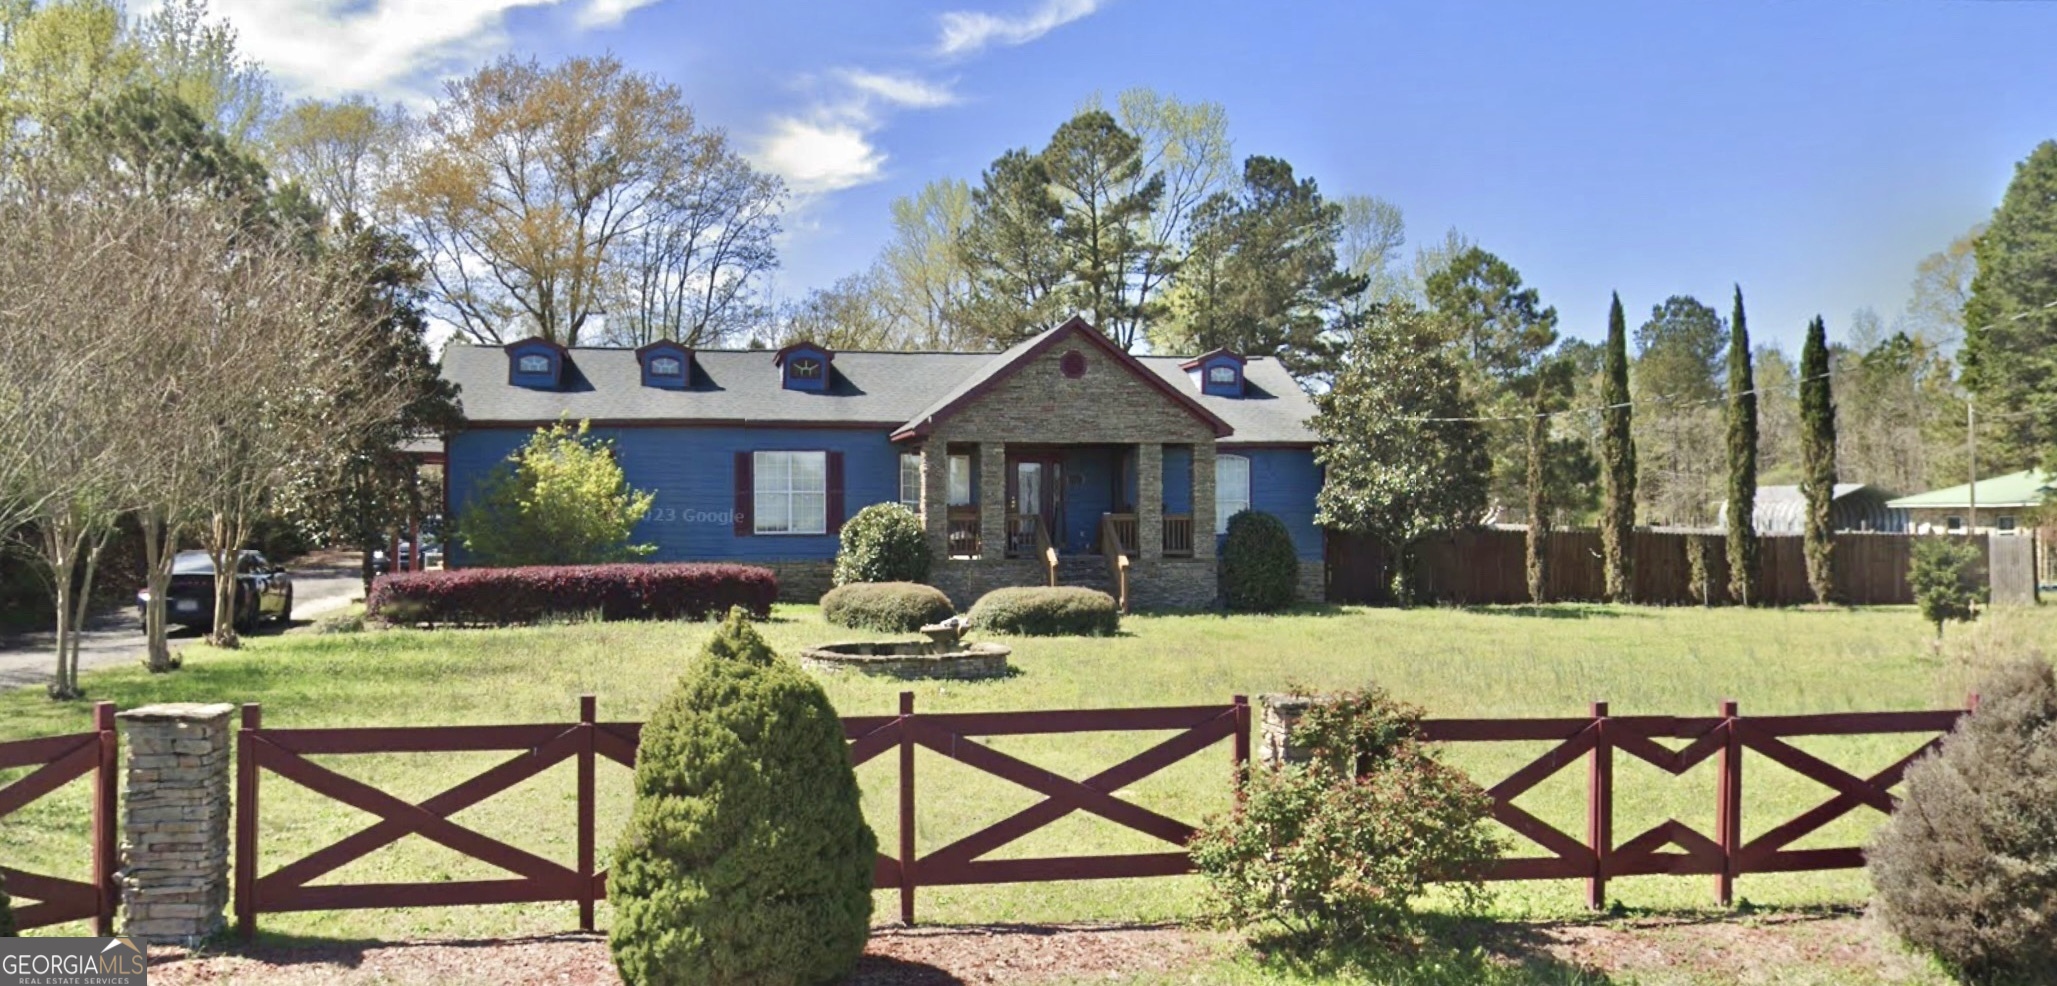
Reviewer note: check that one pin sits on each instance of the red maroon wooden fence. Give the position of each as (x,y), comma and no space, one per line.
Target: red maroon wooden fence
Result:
(1596,740)
(536,748)
(59,760)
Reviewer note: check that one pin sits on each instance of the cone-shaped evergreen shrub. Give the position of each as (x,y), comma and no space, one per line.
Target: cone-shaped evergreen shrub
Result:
(1966,870)
(746,861)
(1260,572)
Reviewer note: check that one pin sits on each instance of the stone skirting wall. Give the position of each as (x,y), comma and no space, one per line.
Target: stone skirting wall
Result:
(801,580)
(1313,581)
(1275,728)
(1173,583)
(175,823)
(964,580)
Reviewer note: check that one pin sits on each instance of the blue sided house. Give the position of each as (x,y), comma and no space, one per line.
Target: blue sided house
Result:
(1063,446)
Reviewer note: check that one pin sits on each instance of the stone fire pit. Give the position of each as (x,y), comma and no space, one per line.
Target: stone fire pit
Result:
(910,659)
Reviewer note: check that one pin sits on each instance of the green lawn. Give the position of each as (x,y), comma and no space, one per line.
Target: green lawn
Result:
(1494,662)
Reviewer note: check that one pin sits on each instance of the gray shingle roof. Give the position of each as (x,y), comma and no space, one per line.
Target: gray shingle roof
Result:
(887,389)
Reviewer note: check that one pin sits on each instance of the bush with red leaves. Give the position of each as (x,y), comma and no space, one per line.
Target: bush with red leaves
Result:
(506,596)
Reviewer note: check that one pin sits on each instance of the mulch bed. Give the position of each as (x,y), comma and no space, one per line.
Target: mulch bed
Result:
(1742,949)
(939,956)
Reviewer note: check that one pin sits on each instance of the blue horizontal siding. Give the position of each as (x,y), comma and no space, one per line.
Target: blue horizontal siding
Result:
(692,472)
(1283,483)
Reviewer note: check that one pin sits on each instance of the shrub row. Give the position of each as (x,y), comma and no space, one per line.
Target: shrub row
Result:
(1067,610)
(888,607)
(504,596)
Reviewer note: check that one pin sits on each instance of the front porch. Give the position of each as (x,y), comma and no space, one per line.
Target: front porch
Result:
(1035,513)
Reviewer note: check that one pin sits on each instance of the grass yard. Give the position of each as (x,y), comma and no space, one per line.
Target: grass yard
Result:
(1548,661)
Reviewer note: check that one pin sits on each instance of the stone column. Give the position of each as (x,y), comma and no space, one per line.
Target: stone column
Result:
(1149,501)
(1204,520)
(935,496)
(175,822)
(992,497)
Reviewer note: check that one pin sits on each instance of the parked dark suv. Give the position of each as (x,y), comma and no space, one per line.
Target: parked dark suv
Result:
(262,590)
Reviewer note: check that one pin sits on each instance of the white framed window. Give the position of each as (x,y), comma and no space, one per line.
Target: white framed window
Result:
(1231,489)
(960,480)
(534,363)
(665,366)
(910,481)
(1222,375)
(790,490)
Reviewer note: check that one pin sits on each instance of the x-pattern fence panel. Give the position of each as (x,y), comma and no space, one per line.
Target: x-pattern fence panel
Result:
(60,760)
(1596,741)
(1672,847)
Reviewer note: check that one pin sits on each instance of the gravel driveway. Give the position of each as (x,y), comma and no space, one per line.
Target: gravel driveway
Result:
(321,584)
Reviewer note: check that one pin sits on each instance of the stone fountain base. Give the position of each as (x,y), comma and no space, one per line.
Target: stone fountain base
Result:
(910,659)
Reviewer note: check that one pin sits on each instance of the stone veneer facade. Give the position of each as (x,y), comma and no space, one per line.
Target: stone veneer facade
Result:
(803,580)
(175,823)
(1039,404)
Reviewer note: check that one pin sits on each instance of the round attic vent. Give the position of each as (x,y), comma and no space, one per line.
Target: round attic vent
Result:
(1073,364)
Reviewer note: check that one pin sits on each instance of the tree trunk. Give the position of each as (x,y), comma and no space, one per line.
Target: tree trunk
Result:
(224,546)
(160,546)
(61,552)
(1538,509)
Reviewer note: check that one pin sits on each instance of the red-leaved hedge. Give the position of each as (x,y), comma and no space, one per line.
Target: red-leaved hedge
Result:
(503,596)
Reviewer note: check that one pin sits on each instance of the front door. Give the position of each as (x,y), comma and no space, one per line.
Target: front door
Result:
(1035,488)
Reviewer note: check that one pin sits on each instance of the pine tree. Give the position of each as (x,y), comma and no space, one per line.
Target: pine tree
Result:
(1742,461)
(1618,466)
(1818,458)
(2010,319)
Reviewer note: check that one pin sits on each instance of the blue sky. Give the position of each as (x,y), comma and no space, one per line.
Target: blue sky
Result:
(1813,152)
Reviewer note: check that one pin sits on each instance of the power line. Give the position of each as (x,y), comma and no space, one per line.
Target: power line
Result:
(1674,400)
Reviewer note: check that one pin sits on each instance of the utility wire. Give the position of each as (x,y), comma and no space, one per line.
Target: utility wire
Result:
(1674,400)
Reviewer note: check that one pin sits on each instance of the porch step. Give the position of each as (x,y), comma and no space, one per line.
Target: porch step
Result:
(1088,571)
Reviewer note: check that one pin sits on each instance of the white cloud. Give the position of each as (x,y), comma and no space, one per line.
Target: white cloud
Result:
(607,13)
(830,146)
(392,48)
(899,90)
(966,32)
(821,155)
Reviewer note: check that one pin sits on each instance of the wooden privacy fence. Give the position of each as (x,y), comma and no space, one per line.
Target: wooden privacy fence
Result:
(1597,741)
(536,748)
(59,760)
(1490,567)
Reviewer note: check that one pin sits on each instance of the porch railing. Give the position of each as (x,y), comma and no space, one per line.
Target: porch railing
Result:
(1178,534)
(1117,559)
(964,531)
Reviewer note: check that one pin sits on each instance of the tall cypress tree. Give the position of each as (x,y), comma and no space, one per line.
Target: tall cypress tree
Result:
(1618,468)
(1742,461)
(1818,458)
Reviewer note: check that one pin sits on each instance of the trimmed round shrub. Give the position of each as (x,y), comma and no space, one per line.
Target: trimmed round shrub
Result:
(746,861)
(883,543)
(1260,571)
(888,607)
(1966,869)
(1045,611)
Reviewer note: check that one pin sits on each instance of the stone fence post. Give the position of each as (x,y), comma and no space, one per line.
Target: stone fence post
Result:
(175,822)
(1275,731)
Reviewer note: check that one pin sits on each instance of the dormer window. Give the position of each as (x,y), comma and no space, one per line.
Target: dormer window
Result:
(666,364)
(535,363)
(804,366)
(1218,374)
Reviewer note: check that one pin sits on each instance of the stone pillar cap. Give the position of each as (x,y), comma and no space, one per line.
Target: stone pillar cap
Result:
(178,712)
